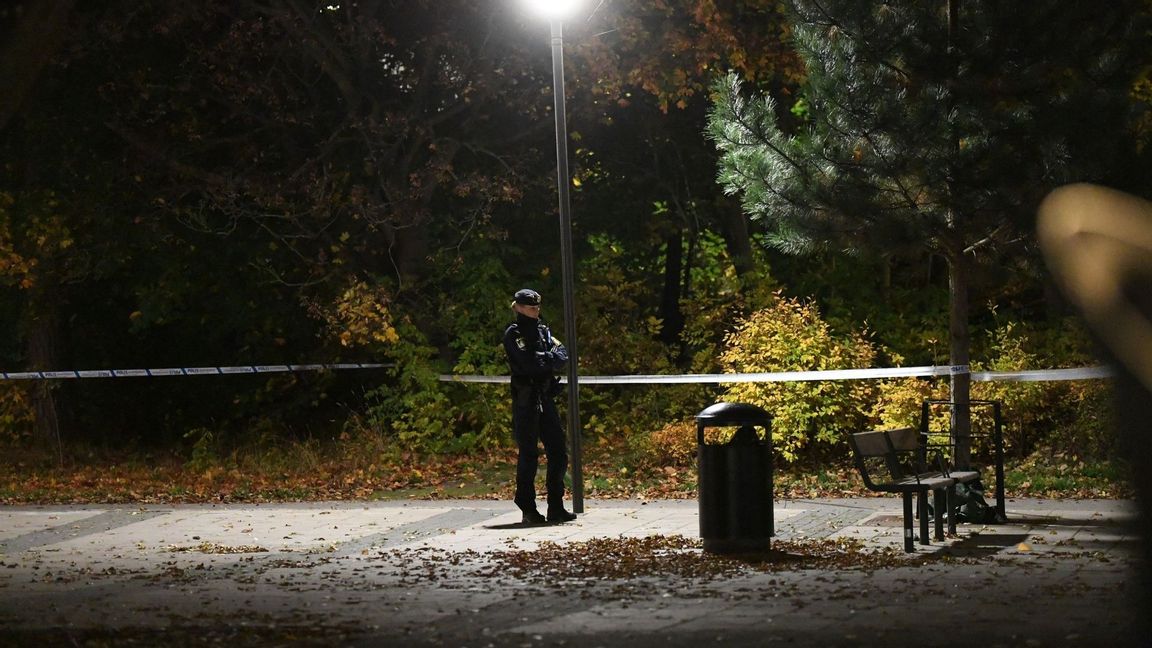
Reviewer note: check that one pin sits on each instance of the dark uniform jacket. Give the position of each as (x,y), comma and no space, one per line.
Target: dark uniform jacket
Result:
(534,358)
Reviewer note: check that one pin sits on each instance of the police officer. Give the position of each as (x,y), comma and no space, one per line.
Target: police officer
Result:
(534,358)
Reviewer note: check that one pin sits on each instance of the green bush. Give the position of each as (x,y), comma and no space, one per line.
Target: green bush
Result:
(17,415)
(424,414)
(719,298)
(899,402)
(1062,416)
(452,323)
(1065,417)
(619,334)
(1025,406)
(790,335)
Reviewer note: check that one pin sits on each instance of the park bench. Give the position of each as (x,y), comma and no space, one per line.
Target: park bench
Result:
(909,440)
(895,461)
(942,441)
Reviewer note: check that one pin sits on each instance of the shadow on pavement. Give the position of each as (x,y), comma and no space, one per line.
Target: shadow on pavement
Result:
(985,544)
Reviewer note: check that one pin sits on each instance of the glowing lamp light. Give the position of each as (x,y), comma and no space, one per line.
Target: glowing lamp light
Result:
(554,9)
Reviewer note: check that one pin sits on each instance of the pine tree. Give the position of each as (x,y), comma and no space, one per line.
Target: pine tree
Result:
(931,126)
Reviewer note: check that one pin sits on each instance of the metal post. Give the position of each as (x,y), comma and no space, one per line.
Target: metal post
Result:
(562,183)
(998,439)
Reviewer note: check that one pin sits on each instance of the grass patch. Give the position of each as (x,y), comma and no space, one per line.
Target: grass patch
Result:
(1045,474)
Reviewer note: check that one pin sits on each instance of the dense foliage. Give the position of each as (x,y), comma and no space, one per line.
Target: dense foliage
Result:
(932,128)
(791,336)
(221,183)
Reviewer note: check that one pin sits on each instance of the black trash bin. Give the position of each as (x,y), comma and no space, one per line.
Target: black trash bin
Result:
(735,480)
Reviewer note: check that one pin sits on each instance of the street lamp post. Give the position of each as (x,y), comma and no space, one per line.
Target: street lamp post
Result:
(556,11)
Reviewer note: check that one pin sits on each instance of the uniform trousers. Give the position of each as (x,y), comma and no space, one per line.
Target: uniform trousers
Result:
(532,426)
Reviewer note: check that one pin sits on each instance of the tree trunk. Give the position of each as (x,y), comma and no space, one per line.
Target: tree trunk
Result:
(408,251)
(43,355)
(959,344)
(407,229)
(736,238)
(670,315)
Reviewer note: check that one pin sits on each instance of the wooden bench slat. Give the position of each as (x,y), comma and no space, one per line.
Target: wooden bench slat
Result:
(904,439)
(871,444)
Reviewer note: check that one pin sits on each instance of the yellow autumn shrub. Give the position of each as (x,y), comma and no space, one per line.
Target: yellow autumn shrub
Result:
(790,335)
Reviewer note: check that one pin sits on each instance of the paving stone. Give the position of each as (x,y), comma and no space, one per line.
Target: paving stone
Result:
(1059,572)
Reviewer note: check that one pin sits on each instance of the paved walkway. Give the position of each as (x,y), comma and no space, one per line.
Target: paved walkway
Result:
(466,573)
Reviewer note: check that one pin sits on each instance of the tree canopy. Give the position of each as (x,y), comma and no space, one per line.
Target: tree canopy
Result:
(936,126)
(234,182)
(275,182)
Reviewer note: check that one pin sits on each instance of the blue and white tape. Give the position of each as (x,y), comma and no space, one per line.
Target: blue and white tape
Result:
(1032,375)
(1037,375)
(184,371)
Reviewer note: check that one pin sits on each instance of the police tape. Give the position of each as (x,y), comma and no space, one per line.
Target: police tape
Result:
(186,371)
(1031,375)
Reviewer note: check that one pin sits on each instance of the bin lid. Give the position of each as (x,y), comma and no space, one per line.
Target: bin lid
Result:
(722,414)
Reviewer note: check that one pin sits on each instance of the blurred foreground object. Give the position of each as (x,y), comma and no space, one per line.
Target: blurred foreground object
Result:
(1098,244)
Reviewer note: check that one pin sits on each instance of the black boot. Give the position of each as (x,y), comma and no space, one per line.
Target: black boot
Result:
(558,516)
(534,517)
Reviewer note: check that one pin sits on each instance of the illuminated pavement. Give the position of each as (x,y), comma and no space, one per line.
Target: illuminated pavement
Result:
(466,573)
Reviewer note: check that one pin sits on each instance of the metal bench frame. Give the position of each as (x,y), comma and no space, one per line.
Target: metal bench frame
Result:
(943,440)
(904,470)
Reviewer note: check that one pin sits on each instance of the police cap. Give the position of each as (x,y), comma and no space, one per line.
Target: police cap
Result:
(527,297)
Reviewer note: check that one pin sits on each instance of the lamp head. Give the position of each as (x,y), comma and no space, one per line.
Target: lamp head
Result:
(554,9)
